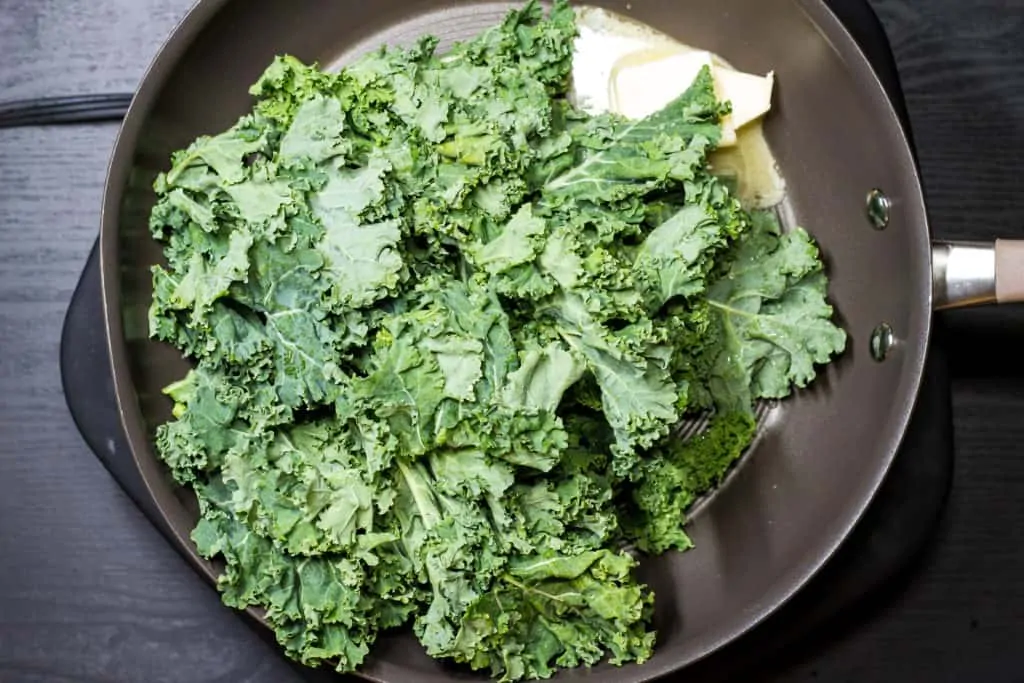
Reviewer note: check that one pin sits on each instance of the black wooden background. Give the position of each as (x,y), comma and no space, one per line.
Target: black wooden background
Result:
(89,592)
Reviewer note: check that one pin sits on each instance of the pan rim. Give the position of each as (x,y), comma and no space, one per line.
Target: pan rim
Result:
(916,348)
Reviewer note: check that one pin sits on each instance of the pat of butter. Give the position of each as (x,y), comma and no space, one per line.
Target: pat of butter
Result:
(750,95)
(643,82)
(598,48)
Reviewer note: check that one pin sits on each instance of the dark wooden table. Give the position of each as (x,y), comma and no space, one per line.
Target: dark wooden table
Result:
(90,592)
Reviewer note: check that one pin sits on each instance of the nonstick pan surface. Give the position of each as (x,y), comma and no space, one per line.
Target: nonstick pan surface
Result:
(819,457)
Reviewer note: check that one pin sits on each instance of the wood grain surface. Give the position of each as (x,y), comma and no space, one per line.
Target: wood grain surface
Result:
(89,592)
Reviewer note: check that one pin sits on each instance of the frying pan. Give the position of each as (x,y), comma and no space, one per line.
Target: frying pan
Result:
(852,181)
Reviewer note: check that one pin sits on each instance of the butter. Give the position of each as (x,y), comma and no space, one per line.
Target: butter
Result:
(631,69)
(644,82)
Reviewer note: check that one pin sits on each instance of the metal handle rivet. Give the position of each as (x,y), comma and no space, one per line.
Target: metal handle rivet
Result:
(882,341)
(878,206)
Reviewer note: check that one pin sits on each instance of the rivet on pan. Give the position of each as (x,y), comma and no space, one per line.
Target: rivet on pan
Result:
(881,342)
(878,209)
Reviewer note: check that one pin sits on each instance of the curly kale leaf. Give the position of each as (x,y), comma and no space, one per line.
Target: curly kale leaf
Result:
(322,609)
(770,317)
(551,611)
(675,475)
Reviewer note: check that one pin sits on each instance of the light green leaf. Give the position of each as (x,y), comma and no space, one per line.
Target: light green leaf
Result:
(773,318)
(222,153)
(634,157)
(678,252)
(543,377)
(461,362)
(349,192)
(362,261)
(316,132)
(259,201)
(205,282)
(516,244)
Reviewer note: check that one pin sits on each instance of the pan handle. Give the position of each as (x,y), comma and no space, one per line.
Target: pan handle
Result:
(977,273)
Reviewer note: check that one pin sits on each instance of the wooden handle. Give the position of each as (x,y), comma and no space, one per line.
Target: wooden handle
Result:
(1009,271)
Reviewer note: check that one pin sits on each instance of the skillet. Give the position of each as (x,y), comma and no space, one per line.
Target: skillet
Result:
(851,180)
